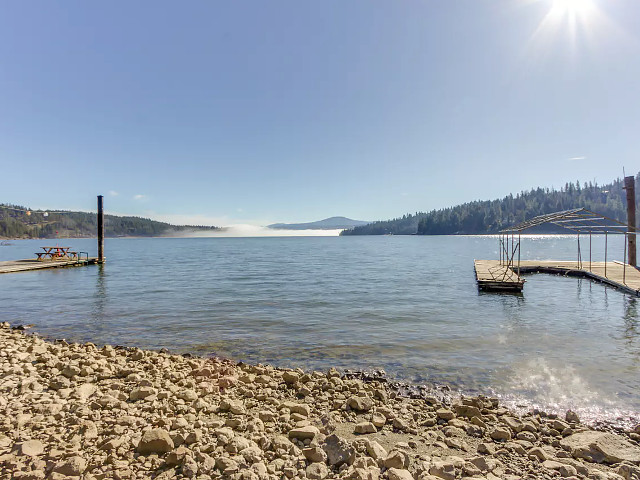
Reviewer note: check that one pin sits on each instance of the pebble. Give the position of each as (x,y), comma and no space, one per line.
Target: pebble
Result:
(71,411)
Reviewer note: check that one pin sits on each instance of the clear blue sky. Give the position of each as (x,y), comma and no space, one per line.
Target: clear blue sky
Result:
(255,112)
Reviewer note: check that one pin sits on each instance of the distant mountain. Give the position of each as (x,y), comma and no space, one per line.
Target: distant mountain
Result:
(332,223)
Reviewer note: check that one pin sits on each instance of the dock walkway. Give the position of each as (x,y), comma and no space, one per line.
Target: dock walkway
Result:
(492,275)
(12,266)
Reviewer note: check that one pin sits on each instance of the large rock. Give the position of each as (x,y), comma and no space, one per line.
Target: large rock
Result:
(188,395)
(628,472)
(445,470)
(513,423)
(397,459)
(572,417)
(365,427)
(234,406)
(600,447)
(445,414)
(71,467)
(500,434)
(141,393)
(338,450)
(375,450)
(226,465)
(399,474)
(31,448)
(314,454)
(290,377)
(300,408)
(84,391)
(467,411)
(155,441)
(303,433)
(360,404)
(177,457)
(317,471)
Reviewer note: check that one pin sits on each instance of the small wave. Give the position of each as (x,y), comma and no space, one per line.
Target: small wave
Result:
(538,385)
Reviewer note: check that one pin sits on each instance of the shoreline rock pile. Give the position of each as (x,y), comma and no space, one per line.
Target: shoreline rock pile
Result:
(79,411)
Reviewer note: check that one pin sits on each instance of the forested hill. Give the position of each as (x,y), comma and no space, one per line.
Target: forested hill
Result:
(490,216)
(20,222)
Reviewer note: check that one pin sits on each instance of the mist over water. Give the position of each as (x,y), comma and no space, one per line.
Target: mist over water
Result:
(407,304)
(246,230)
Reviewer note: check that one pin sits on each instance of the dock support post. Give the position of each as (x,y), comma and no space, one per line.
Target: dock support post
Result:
(589,250)
(630,187)
(100,229)
(519,250)
(605,254)
(624,264)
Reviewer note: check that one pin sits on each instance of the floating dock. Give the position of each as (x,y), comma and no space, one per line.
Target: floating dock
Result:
(493,275)
(12,266)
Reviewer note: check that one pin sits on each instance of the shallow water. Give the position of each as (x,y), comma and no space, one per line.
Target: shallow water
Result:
(407,304)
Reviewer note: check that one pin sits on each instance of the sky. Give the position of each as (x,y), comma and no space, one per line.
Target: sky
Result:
(253,112)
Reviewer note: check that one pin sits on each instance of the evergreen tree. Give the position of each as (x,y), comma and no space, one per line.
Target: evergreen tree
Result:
(491,216)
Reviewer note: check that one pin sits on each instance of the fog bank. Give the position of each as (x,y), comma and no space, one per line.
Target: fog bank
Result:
(244,230)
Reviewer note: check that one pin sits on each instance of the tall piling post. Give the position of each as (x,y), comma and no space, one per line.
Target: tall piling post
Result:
(100,229)
(630,187)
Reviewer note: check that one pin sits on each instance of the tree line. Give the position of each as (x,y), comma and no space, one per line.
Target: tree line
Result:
(491,216)
(20,222)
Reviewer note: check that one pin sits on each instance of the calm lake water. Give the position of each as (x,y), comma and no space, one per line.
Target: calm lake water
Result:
(406,304)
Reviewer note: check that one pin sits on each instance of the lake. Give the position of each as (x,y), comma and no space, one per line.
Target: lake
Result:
(406,304)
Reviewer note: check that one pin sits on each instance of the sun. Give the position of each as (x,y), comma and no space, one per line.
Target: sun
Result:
(572,7)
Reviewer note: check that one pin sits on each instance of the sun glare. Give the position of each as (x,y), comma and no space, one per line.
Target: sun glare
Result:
(575,20)
(572,7)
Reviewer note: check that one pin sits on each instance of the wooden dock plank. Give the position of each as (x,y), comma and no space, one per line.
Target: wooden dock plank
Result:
(616,274)
(13,266)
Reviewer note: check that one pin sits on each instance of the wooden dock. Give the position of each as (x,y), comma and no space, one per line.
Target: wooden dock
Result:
(13,266)
(494,276)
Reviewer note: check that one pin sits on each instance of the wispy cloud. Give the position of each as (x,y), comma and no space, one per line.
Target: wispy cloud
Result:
(577,159)
(139,196)
(113,193)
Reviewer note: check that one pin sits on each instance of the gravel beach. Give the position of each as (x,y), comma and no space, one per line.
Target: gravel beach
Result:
(82,411)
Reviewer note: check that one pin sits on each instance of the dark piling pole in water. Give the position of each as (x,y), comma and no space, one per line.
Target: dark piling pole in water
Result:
(630,187)
(100,229)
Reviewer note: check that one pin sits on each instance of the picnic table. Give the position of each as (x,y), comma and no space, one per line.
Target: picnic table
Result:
(56,253)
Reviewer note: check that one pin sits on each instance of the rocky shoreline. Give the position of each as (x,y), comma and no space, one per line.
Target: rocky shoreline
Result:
(79,411)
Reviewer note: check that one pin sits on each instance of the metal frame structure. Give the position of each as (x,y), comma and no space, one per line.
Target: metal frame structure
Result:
(577,220)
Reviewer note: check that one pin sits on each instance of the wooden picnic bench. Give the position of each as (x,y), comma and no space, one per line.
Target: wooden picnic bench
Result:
(54,253)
